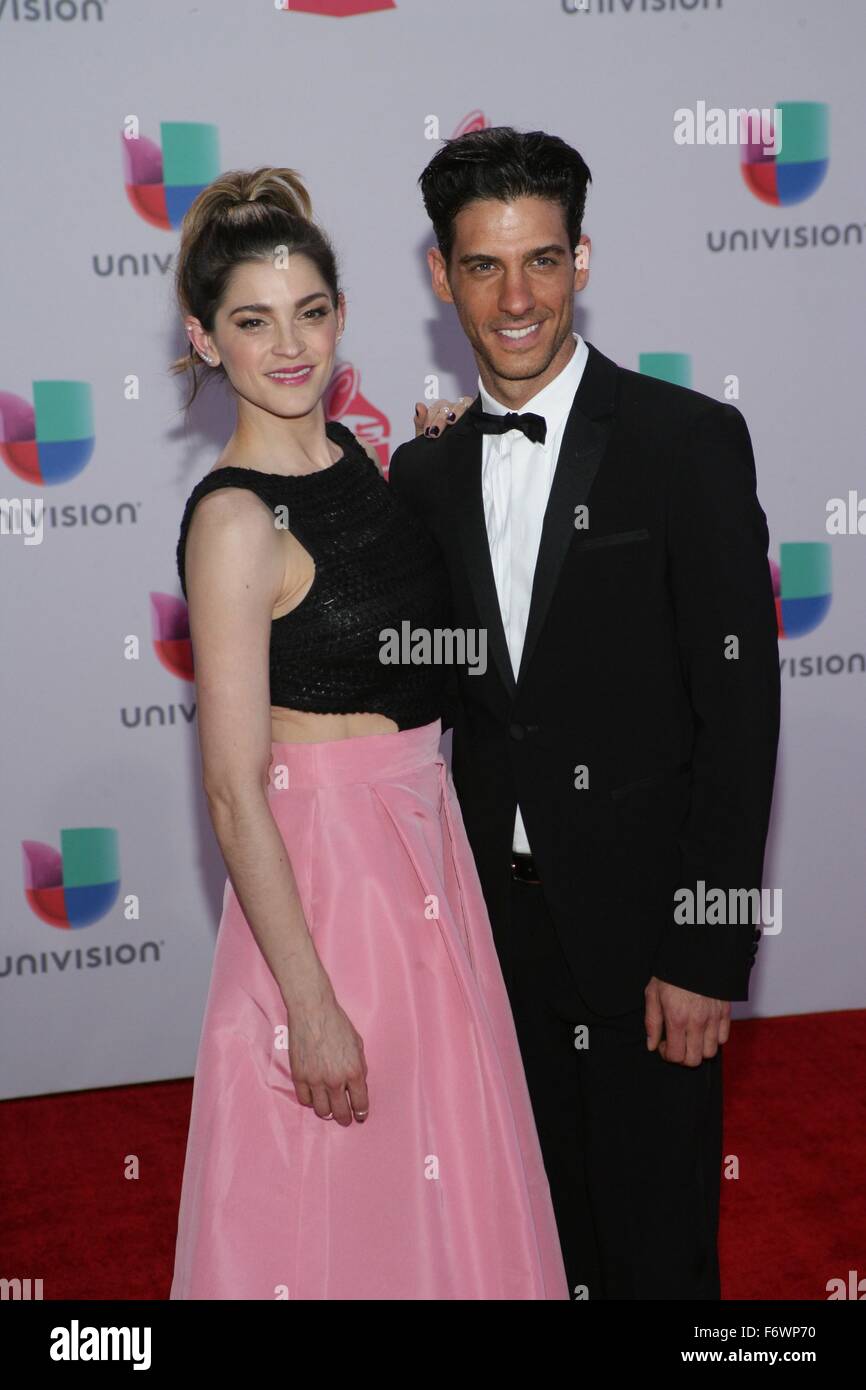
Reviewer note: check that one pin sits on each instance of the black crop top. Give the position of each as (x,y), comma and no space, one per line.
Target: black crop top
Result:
(377,567)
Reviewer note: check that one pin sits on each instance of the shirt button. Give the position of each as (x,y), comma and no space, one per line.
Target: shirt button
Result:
(516,730)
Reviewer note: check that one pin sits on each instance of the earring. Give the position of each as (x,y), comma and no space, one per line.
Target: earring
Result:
(209,360)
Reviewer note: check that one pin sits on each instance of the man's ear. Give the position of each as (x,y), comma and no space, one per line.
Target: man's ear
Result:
(439,275)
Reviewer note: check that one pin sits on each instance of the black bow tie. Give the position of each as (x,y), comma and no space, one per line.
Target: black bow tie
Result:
(533,426)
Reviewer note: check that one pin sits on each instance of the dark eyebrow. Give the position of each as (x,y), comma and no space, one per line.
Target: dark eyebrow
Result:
(530,255)
(266,308)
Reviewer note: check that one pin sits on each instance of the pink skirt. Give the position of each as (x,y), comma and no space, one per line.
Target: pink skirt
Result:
(441,1193)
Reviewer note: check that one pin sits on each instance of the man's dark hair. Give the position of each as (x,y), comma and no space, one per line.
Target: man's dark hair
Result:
(503,163)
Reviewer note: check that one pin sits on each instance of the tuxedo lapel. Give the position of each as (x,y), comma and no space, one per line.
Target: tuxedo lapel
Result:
(583,444)
(472,530)
(584,441)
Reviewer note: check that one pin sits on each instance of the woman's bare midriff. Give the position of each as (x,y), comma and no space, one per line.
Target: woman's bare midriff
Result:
(299,726)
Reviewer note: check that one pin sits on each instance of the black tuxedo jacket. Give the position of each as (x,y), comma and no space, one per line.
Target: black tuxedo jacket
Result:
(650,660)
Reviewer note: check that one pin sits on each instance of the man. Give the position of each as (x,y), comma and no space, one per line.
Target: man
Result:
(620,746)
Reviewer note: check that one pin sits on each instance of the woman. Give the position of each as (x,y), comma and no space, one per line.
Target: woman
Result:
(361,1127)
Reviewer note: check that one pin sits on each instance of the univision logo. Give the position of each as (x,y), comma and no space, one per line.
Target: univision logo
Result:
(171,637)
(802,586)
(163,180)
(675,367)
(172,643)
(77,886)
(636,6)
(51,440)
(64,10)
(800,166)
(334,9)
(784,179)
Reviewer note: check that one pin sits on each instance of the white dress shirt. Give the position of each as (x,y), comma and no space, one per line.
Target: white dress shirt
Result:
(516,477)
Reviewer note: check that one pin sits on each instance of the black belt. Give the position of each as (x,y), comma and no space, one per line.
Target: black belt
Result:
(523,868)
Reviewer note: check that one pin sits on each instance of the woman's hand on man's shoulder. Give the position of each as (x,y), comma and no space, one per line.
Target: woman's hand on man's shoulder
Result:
(433,417)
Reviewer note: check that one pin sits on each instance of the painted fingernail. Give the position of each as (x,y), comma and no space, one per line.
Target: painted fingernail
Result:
(434,429)
(451,415)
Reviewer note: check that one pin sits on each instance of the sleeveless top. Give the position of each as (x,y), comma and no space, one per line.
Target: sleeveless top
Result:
(377,568)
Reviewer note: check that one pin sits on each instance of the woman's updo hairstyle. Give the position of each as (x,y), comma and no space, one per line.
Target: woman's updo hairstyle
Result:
(242,216)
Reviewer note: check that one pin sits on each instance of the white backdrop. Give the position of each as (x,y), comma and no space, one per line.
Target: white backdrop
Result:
(99,717)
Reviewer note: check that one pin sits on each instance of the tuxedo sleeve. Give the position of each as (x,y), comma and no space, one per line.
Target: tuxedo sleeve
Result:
(726,633)
(397,480)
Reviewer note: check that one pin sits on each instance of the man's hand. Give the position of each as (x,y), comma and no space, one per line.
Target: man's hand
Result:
(433,417)
(694,1026)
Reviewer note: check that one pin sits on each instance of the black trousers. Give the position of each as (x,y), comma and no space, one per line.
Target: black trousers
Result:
(632,1144)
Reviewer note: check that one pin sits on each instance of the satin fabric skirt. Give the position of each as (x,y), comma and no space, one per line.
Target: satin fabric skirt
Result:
(441,1193)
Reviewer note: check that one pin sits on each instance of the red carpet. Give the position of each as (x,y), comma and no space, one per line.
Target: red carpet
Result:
(795,1119)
